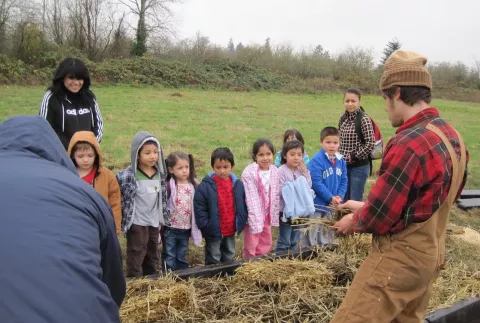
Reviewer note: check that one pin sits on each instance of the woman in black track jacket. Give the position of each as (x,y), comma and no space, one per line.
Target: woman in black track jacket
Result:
(69,105)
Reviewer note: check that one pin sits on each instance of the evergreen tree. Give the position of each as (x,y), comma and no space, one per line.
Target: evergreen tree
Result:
(267,47)
(392,46)
(231,46)
(318,50)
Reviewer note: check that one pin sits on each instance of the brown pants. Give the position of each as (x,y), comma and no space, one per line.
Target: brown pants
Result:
(142,252)
(393,284)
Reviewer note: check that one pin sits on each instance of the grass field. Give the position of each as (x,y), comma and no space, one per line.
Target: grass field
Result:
(199,121)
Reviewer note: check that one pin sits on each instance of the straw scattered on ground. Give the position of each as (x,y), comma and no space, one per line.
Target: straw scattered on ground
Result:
(461,277)
(287,290)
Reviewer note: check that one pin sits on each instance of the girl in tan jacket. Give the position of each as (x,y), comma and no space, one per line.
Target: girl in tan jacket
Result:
(85,153)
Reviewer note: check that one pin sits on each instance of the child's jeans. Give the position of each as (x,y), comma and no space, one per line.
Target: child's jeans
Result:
(219,250)
(175,247)
(318,235)
(257,244)
(288,237)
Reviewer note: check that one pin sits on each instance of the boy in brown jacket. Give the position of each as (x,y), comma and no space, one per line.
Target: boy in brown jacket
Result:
(85,153)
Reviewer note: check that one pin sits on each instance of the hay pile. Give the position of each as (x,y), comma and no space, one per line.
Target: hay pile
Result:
(286,290)
(284,274)
(158,301)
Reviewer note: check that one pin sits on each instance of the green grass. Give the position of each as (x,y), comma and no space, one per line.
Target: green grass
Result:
(199,121)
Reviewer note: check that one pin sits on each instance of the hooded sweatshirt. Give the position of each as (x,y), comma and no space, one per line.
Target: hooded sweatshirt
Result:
(61,260)
(104,181)
(128,186)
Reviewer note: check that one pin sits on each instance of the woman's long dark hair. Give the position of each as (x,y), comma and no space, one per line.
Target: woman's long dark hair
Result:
(74,68)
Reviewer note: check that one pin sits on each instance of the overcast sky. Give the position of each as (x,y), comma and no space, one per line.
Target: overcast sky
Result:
(443,30)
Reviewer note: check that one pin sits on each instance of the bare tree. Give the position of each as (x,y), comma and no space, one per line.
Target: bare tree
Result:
(201,45)
(6,9)
(154,17)
(92,26)
(54,23)
(76,36)
(121,43)
(92,10)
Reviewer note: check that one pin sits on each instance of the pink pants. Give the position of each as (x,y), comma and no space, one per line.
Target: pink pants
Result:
(257,244)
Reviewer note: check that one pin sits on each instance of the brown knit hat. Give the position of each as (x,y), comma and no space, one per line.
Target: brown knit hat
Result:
(407,69)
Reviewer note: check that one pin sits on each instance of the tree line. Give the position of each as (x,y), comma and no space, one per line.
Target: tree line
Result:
(39,33)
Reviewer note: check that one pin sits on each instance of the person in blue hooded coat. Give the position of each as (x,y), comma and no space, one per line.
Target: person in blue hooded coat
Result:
(60,257)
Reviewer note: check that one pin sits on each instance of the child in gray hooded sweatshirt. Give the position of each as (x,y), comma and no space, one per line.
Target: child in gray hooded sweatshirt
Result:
(144,203)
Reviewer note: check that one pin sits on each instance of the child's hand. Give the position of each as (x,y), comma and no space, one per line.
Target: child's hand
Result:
(336,200)
(303,167)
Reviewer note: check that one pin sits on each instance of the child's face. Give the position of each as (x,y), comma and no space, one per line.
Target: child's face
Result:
(291,137)
(85,158)
(222,168)
(148,156)
(294,157)
(264,157)
(330,144)
(181,170)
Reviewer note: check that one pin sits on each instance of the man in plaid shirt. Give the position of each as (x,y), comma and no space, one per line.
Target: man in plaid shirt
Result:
(421,175)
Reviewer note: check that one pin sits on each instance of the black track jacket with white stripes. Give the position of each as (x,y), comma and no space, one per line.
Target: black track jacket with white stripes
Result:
(68,114)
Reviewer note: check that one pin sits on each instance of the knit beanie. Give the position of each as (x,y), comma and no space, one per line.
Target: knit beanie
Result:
(404,68)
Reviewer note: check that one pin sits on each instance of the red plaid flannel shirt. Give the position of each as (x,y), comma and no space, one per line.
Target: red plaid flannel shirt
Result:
(350,145)
(414,178)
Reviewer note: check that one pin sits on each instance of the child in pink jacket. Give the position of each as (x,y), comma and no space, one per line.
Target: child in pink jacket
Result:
(262,191)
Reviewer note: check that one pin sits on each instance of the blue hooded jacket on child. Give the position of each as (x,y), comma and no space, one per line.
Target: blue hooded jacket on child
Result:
(327,180)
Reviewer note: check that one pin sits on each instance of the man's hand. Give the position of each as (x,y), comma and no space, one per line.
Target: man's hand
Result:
(352,205)
(345,225)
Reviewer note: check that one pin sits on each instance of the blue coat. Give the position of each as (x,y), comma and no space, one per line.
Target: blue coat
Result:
(327,181)
(60,257)
(206,207)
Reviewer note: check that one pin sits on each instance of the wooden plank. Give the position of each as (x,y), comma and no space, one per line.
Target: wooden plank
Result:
(466,204)
(223,269)
(463,311)
(229,267)
(470,194)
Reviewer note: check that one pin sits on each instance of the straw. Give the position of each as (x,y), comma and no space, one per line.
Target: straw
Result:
(287,290)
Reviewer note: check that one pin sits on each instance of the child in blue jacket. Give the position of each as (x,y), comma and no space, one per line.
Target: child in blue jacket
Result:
(328,171)
(220,209)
